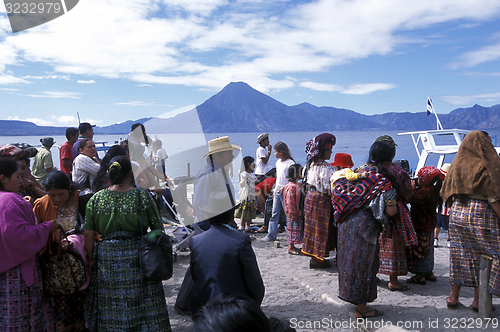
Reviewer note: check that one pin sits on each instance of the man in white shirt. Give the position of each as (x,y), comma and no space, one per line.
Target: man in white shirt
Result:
(262,156)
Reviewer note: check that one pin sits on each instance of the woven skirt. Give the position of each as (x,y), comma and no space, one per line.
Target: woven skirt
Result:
(422,265)
(317,208)
(393,258)
(474,231)
(23,308)
(118,299)
(358,260)
(293,231)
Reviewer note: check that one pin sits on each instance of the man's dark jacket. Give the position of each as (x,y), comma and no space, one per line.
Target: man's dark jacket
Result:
(223,262)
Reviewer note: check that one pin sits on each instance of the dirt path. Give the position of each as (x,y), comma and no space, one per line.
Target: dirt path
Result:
(308,298)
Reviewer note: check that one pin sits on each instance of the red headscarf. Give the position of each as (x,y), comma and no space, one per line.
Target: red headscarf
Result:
(428,173)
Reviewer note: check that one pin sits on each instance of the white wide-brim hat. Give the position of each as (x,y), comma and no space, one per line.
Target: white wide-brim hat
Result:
(218,202)
(262,137)
(445,168)
(220,144)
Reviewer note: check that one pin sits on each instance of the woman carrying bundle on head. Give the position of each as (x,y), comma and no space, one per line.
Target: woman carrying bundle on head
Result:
(119,298)
(361,210)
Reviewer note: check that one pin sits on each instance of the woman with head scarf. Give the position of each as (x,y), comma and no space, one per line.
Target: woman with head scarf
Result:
(317,205)
(360,210)
(424,217)
(472,188)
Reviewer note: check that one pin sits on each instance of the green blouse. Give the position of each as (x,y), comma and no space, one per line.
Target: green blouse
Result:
(110,211)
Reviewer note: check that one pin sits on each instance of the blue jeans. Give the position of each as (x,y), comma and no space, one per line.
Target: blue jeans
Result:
(278,203)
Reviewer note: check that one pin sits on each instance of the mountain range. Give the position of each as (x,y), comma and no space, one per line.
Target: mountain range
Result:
(240,108)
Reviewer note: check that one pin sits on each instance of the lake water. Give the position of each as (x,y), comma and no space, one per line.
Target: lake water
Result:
(189,148)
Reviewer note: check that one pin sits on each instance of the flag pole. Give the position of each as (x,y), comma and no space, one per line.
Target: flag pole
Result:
(430,109)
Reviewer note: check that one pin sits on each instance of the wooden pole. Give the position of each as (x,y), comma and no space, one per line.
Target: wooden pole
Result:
(484,309)
(189,170)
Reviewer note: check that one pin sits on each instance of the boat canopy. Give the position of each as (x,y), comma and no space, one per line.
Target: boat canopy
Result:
(436,142)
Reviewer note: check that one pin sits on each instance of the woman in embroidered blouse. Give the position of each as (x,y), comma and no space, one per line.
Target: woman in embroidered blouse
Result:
(23,305)
(318,235)
(119,298)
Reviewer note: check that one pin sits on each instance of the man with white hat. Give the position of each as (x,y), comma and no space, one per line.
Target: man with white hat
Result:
(262,156)
(42,162)
(213,178)
(222,259)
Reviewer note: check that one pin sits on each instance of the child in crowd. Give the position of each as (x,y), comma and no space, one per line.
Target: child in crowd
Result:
(443,213)
(291,196)
(343,163)
(247,210)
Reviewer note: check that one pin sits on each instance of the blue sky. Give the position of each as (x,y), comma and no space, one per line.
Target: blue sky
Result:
(113,61)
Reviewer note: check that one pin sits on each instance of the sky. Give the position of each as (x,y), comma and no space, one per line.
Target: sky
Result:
(113,61)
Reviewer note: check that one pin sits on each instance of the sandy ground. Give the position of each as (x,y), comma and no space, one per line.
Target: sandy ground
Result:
(308,298)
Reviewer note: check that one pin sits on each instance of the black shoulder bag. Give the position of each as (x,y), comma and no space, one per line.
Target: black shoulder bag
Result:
(155,256)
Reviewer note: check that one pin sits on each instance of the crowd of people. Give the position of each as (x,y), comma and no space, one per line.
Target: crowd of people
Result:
(375,217)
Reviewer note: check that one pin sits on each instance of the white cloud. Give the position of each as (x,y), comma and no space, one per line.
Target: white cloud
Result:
(9,89)
(9,79)
(56,94)
(85,82)
(140,103)
(476,74)
(66,119)
(171,114)
(142,85)
(53,120)
(482,55)
(208,43)
(472,99)
(48,77)
(363,89)
(356,89)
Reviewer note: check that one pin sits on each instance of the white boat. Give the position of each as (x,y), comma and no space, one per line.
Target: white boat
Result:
(443,143)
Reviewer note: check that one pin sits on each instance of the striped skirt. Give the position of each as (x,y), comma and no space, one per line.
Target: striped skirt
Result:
(423,265)
(293,231)
(23,308)
(118,299)
(317,208)
(474,231)
(393,258)
(358,260)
